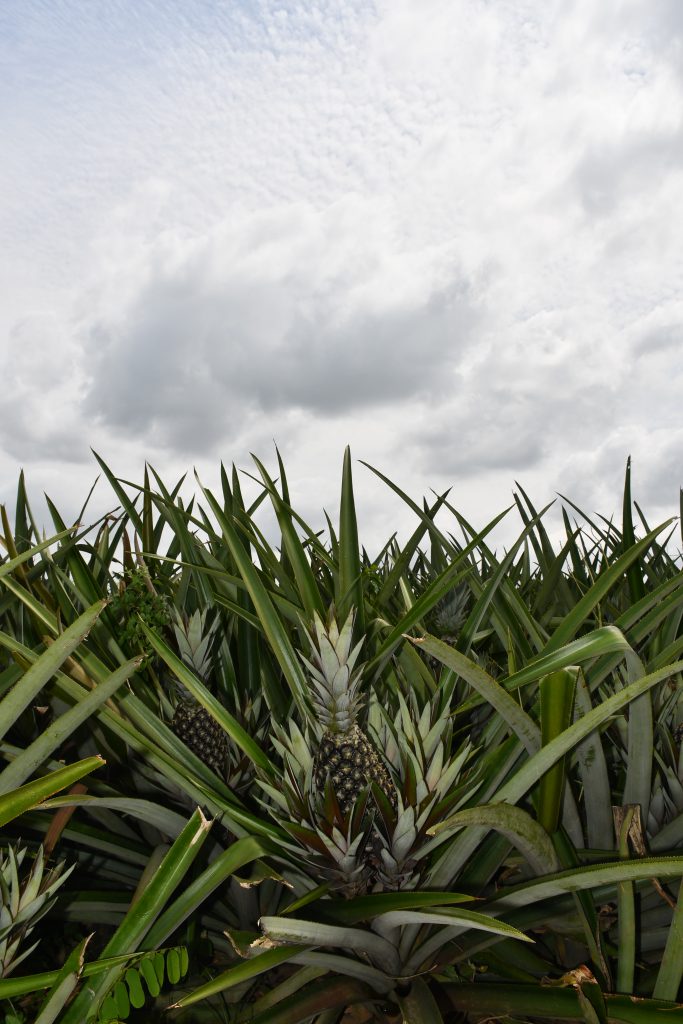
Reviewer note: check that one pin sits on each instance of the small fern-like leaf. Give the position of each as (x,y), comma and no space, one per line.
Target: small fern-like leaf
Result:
(108,1010)
(150,975)
(136,992)
(154,968)
(159,966)
(173,966)
(122,1000)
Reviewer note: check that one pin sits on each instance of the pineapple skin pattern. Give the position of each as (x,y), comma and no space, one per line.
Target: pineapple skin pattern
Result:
(351,763)
(345,754)
(191,722)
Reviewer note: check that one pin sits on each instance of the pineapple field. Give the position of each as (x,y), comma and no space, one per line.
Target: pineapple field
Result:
(264,776)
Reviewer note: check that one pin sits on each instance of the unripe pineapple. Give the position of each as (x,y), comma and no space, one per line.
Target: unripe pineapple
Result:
(448,619)
(191,722)
(372,846)
(345,755)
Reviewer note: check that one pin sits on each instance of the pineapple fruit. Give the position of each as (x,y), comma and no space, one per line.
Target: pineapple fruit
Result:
(345,755)
(448,620)
(191,722)
(352,842)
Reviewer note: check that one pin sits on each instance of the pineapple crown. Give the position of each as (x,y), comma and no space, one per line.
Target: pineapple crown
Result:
(196,640)
(450,612)
(334,683)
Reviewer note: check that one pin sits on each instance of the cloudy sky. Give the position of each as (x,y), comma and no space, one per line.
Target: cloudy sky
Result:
(445,232)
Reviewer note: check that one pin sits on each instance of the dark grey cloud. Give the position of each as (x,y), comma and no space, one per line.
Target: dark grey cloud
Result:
(464,448)
(666,338)
(30,436)
(215,339)
(515,410)
(634,166)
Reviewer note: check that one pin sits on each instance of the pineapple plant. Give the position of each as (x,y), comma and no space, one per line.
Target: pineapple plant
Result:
(23,903)
(345,755)
(449,614)
(191,722)
(447,620)
(360,829)
(330,768)
(333,844)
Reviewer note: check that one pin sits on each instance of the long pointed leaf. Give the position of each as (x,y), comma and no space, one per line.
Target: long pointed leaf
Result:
(245,971)
(36,753)
(492,692)
(19,800)
(573,620)
(305,579)
(13,563)
(273,628)
(64,985)
(26,689)
(350,583)
(241,852)
(557,701)
(530,838)
(313,933)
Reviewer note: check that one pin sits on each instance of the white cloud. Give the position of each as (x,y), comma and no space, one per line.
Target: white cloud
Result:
(443,232)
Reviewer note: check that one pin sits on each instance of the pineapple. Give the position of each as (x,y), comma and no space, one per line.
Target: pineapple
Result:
(334,847)
(448,619)
(354,844)
(191,722)
(345,755)
(450,614)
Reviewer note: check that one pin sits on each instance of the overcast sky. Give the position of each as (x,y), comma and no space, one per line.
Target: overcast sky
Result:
(445,232)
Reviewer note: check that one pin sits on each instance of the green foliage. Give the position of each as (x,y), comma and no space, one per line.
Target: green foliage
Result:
(23,902)
(514,700)
(137,602)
